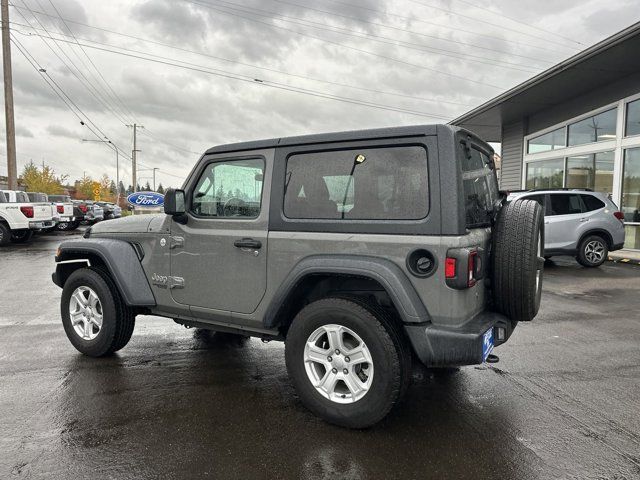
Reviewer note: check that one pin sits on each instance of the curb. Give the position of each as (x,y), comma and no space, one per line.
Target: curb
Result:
(631,261)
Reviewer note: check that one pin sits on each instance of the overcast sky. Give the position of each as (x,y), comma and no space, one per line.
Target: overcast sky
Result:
(411,61)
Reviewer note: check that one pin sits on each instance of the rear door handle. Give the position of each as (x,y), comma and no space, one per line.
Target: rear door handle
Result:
(584,219)
(248,243)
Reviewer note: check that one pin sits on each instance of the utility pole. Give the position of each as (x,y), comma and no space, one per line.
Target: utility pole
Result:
(154,178)
(135,150)
(12,166)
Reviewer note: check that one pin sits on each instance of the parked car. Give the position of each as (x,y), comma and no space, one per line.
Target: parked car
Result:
(64,209)
(111,210)
(360,250)
(94,213)
(580,223)
(19,218)
(39,198)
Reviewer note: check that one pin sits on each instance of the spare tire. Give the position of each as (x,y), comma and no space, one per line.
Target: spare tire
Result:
(517,260)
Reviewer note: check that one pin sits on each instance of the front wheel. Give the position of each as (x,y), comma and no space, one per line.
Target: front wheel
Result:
(95,319)
(21,236)
(593,251)
(348,361)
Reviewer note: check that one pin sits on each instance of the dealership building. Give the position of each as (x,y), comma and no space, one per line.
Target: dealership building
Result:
(575,125)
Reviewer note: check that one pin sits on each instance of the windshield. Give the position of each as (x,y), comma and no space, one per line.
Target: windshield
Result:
(480,184)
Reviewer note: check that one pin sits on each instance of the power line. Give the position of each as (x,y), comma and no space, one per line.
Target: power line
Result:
(58,90)
(109,107)
(387,40)
(84,81)
(203,54)
(104,80)
(476,19)
(413,32)
(349,47)
(255,81)
(457,28)
(520,22)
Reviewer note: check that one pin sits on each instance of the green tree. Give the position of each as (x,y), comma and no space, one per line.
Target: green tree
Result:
(160,189)
(42,179)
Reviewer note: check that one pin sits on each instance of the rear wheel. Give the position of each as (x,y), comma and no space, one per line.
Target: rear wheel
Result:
(21,236)
(518,260)
(63,226)
(347,361)
(95,319)
(5,235)
(593,251)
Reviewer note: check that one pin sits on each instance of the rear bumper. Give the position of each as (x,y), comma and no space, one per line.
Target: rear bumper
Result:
(617,246)
(40,224)
(437,345)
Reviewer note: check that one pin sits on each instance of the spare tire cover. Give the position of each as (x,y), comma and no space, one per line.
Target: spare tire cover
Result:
(517,260)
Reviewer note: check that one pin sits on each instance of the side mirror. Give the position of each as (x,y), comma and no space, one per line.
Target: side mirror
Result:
(174,204)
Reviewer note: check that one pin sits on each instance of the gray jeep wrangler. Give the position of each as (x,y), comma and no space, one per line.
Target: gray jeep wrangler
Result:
(362,251)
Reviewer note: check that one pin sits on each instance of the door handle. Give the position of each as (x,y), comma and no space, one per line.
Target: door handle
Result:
(248,243)
(584,219)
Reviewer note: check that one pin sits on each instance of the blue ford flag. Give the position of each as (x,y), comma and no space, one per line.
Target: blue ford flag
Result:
(146,199)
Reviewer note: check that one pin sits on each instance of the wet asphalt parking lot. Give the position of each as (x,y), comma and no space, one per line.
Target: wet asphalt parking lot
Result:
(564,401)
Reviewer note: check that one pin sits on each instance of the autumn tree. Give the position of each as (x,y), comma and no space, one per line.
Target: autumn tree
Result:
(42,179)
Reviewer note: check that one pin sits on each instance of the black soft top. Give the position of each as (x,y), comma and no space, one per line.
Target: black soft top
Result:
(371,134)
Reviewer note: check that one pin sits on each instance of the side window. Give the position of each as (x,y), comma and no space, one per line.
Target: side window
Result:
(564,204)
(387,183)
(592,203)
(229,189)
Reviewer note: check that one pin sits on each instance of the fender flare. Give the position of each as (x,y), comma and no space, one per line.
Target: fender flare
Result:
(395,282)
(601,232)
(121,260)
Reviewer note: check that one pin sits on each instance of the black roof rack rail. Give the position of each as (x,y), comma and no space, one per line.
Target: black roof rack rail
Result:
(566,189)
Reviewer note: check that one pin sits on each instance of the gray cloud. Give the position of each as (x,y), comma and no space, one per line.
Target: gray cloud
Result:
(184,109)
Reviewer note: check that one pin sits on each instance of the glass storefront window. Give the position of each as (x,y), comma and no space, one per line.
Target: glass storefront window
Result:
(548,141)
(631,185)
(545,174)
(594,171)
(594,129)
(633,119)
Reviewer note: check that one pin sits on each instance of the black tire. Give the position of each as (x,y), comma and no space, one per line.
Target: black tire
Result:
(593,251)
(390,355)
(118,320)
(21,236)
(63,226)
(5,235)
(74,225)
(517,260)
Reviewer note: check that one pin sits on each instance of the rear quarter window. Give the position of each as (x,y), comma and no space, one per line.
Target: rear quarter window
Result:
(592,203)
(480,186)
(388,183)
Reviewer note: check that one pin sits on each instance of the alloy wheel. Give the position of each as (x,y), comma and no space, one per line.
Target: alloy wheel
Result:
(594,251)
(85,310)
(338,363)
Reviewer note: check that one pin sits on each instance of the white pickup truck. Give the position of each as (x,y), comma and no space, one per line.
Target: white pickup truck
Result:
(61,205)
(19,218)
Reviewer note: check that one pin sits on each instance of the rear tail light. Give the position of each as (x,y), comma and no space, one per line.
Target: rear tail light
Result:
(83,208)
(471,268)
(619,216)
(60,208)
(27,211)
(463,267)
(450,267)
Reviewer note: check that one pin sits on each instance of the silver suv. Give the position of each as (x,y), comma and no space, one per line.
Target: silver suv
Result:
(581,223)
(360,250)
